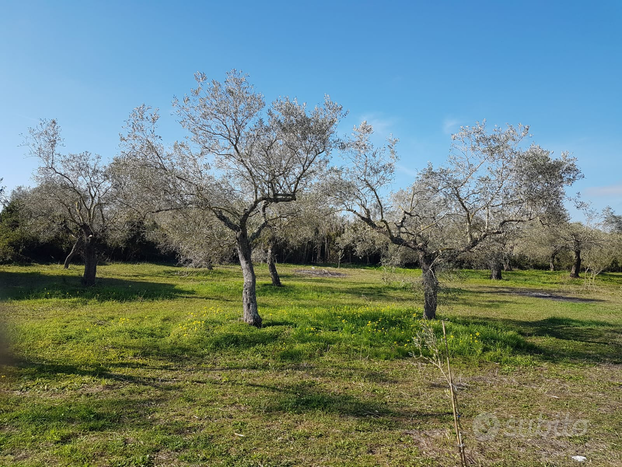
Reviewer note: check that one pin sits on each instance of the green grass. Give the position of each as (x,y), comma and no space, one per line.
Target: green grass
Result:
(152,366)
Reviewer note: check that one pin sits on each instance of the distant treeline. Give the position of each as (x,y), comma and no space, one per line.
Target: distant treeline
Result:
(342,244)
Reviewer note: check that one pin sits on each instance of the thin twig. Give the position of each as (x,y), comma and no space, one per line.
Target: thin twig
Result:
(454,403)
(427,339)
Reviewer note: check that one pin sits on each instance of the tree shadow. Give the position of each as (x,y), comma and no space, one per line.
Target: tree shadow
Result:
(540,294)
(306,397)
(20,285)
(33,371)
(109,412)
(277,323)
(560,339)
(74,406)
(107,408)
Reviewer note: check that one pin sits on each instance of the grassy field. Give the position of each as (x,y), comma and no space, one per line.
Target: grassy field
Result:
(152,367)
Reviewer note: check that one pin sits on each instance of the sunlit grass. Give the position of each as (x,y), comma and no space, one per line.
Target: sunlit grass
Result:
(153,365)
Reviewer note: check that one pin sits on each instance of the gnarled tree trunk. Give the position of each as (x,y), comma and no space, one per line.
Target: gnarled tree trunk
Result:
(495,270)
(552,261)
(90,262)
(576,265)
(249,293)
(72,253)
(507,263)
(430,285)
(274,274)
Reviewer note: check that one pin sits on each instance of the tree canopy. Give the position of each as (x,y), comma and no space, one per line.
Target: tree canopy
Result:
(489,184)
(240,159)
(74,192)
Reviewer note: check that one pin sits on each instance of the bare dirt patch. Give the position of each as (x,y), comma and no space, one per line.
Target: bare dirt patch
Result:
(545,295)
(319,272)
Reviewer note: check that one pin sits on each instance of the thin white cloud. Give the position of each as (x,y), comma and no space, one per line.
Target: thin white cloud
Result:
(25,117)
(405,170)
(382,126)
(611,190)
(450,125)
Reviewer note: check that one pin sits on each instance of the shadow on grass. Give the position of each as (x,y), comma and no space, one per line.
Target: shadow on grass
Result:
(34,285)
(60,419)
(31,371)
(539,294)
(475,298)
(304,397)
(559,339)
(93,414)
(277,323)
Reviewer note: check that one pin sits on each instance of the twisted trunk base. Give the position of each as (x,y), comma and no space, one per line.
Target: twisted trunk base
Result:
(274,274)
(249,292)
(576,265)
(430,286)
(90,263)
(495,271)
(72,253)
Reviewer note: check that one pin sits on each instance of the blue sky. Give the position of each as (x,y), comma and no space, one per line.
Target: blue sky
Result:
(416,69)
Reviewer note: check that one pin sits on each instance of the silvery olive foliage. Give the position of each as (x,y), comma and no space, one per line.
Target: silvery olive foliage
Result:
(612,222)
(497,252)
(309,223)
(590,246)
(199,239)
(240,159)
(541,241)
(363,243)
(74,192)
(492,181)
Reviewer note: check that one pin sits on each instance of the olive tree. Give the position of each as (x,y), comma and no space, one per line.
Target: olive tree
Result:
(542,241)
(612,222)
(309,225)
(239,160)
(286,220)
(74,193)
(595,243)
(489,184)
(359,241)
(199,239)
(579,237)
(589,245)
(17,237)
(497,252)
(612,225)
